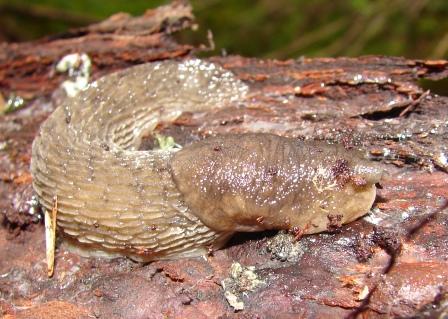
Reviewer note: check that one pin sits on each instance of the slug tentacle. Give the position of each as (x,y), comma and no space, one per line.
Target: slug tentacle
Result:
(116,200)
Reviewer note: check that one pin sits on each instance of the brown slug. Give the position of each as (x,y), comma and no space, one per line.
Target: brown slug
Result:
(116,200)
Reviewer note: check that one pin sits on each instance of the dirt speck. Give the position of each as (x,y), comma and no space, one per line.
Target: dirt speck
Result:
(285,247)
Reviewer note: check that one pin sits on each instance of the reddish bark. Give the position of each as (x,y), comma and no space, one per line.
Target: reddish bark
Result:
(388,265)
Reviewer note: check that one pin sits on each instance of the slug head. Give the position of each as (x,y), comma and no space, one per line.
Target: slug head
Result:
(252,182)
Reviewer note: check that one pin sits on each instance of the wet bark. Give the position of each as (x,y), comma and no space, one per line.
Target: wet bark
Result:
(389,264)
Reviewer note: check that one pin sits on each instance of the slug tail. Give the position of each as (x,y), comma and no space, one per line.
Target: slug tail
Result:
(112,197)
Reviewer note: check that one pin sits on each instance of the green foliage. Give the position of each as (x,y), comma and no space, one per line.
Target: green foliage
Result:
(266,28)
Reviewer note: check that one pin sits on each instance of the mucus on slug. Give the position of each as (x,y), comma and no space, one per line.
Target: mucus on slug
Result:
(172,203)
(235,188)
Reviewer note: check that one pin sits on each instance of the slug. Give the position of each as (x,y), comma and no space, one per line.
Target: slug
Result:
(117,200)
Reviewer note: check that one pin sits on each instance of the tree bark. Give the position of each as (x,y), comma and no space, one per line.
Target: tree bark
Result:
(390,264)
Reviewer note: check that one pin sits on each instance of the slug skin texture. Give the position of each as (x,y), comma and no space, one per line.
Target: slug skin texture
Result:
(116,200)
(253,182)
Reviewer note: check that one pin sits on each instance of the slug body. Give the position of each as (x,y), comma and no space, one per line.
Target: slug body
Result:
(116,200)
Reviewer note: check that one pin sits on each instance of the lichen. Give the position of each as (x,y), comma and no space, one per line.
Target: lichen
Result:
(241,280)
(78,66)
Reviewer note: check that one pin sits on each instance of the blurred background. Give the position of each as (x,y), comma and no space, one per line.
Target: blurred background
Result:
(264,28)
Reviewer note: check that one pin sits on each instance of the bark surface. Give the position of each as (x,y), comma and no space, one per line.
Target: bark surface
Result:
(389,264)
